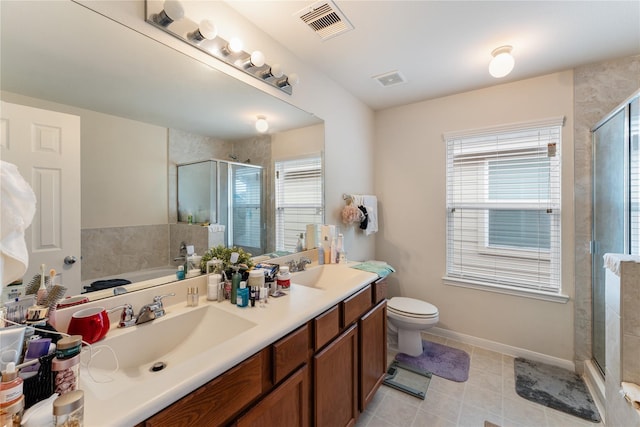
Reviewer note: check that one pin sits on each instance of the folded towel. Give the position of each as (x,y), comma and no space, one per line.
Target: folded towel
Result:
(612,261)
(16,213)
(371,204)
(381,268)
(631,393)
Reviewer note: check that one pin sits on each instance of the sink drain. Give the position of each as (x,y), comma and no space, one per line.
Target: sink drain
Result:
(158,366)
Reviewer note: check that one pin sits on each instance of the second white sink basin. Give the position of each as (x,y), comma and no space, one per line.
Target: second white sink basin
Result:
(181,333)
(328,275)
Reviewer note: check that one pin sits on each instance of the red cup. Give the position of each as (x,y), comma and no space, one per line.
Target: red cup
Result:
(92,323)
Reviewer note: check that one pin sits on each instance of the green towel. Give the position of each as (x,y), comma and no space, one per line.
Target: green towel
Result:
(380,268)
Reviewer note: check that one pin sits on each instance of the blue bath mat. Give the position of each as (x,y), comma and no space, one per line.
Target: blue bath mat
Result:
(555,388)
(441,360)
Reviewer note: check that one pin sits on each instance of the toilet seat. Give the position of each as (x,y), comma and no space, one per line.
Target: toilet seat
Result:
(411,307)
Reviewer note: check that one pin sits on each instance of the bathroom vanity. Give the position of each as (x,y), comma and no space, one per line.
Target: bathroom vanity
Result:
(314,357)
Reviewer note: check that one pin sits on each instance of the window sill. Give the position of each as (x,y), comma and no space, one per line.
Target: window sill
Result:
(508,290)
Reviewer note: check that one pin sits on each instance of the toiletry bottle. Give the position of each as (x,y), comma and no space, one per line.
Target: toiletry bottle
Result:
(334,251)
(235,284)
(212,287)
(320,255)
(252,296)
(11,386)
(180,272)
(342,255)
(243,295)
(326,248)
(300,244)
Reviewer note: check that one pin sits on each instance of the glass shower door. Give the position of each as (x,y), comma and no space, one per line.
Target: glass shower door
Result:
(610,215)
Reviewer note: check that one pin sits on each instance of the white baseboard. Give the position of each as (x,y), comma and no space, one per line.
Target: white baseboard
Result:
(503,348)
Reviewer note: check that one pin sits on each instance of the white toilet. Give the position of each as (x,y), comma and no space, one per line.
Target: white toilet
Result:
(408,317)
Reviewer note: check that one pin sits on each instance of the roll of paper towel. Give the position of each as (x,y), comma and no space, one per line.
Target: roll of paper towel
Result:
(312,236)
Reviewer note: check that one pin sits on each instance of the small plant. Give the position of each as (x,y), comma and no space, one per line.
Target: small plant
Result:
(223,253)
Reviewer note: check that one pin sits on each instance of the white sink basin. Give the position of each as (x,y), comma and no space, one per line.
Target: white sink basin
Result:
(174,338)
(326,276)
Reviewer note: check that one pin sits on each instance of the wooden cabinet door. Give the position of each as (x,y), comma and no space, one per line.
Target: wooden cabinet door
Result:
(335,381)
(373,352)
(286,406)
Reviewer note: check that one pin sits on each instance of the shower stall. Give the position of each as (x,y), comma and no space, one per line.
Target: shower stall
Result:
(616,203)
(228,193)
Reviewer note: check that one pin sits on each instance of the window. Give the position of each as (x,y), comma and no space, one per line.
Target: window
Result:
(503,207)
(299,199)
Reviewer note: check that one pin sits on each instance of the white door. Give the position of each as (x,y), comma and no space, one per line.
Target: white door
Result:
(45,146)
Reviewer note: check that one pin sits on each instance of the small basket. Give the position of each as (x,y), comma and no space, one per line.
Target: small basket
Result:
(40,386)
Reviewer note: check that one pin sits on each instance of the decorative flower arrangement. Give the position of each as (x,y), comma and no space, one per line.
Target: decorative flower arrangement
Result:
(351,214)
(223,253)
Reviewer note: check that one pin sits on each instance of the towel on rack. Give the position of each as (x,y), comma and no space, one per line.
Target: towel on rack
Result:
(16,213)
(371,204)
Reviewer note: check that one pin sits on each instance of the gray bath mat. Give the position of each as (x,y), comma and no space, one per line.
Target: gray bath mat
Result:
(555,388)
(441,360)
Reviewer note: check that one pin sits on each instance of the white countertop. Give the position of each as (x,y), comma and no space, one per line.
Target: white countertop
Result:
(126,401)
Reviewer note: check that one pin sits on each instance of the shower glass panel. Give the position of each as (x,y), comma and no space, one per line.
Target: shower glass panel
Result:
(634,172)
(610,215)
(247,231)
(198,192)
(227,193)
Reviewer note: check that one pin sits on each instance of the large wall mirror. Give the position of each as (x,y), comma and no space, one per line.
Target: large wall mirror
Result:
(144,108)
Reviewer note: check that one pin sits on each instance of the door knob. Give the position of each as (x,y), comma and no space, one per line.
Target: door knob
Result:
(70,259)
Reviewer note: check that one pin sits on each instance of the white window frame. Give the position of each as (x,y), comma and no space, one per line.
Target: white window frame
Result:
(279,213)
(553,255)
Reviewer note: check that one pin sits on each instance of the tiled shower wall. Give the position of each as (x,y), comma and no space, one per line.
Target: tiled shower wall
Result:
(115,250)
(598,89)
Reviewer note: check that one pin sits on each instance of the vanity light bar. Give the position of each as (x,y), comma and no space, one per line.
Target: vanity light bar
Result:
(224,50)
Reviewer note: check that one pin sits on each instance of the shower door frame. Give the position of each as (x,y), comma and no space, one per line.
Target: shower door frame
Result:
(596,260)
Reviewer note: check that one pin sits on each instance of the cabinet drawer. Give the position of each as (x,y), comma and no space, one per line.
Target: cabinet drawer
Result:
(216,402)
(326,327)
(290,352)
(379,290)
(355,305)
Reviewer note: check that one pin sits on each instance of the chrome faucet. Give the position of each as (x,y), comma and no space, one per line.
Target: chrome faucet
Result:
(299,265)
(148,312)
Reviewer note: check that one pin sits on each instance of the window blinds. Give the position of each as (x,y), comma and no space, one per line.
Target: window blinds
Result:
(503,206)
(298,199)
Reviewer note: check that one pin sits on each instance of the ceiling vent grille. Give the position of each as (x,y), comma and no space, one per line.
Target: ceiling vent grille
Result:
(325,19)
(391,78)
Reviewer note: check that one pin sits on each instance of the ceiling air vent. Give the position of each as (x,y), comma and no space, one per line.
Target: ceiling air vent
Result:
(391,78)
(325,19)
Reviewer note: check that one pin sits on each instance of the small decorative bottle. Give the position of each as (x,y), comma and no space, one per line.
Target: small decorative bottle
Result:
(300,243)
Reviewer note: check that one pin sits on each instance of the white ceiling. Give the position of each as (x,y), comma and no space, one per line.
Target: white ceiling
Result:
(444,47)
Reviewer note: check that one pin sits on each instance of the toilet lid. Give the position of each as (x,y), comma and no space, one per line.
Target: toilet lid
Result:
(411,306)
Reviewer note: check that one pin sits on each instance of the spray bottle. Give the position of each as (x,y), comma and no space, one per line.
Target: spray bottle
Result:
(235,277)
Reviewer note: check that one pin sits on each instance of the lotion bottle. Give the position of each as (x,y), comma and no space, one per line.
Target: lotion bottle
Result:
(11,386)
(326,249)
(235,284)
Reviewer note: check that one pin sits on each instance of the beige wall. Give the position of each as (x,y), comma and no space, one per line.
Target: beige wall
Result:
(410,161)
(116,190)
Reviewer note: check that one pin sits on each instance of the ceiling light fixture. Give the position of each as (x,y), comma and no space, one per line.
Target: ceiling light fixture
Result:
(169,16)
(502,62)
(172,11)
(262,125)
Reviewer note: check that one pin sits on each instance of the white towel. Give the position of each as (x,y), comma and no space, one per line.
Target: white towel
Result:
(16,213)
(370,203)
(631,393)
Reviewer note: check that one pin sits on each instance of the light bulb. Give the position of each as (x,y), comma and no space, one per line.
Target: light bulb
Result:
(293,79)
(262,125)
(235,45)
(257,58)
(208,29)
(502,62)
(276,70)
(172,11)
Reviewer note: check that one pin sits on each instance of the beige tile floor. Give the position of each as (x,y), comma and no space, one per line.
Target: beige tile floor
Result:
(489,394)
